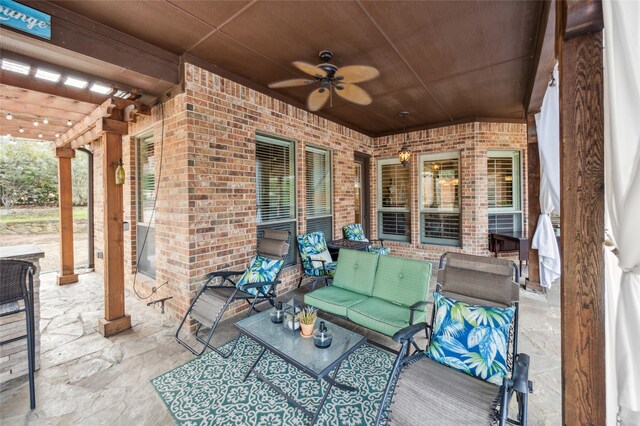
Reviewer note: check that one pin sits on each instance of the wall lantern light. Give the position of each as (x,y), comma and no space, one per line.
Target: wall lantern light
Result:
(120,175)
(404,155)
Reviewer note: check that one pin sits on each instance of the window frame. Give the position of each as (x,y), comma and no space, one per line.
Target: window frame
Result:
(329,184)
(292,258)
(448,242)
(517,190)
(381,210)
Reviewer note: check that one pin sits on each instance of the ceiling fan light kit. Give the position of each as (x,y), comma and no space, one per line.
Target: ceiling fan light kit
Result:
(331,79)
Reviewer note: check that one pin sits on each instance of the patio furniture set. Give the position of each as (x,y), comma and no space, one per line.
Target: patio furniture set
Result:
(467,373)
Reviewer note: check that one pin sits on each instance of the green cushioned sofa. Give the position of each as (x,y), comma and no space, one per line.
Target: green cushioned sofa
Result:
(382,293)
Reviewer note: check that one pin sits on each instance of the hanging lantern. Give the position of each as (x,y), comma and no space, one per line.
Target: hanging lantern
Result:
(120,175)
(404,155)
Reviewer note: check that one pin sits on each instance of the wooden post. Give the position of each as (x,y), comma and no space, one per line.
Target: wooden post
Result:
(67,271)
(115,320)
(579,45)
(533,185)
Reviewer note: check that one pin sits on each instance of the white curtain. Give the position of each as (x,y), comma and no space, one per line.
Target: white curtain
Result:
(548,129)
(622,188)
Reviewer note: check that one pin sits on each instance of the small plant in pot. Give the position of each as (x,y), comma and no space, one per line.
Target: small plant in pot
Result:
(307,319)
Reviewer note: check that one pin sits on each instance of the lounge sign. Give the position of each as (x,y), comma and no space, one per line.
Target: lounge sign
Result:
(25,19)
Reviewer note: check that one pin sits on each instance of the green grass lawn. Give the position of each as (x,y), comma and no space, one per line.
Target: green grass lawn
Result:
(44,214)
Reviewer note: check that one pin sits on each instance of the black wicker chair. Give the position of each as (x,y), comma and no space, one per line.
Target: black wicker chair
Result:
(448,395)
(16,285)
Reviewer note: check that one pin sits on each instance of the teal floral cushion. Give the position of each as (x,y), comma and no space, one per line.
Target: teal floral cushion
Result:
(381,250)
(320,272)
(471,338)
(261,269)
(311,245)
(354,232)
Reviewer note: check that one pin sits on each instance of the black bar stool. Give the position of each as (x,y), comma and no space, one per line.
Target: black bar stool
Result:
(16,284)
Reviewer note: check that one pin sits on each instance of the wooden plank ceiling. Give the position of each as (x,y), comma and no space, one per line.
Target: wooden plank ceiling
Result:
(28,106)
(442,61)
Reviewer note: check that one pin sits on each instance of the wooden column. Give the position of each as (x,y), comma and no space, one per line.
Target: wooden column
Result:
(67,271)
(579,46)
(533,186)
(115,320)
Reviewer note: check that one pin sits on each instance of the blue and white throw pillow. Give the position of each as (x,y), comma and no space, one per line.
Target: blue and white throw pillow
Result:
(470,338)
(261,269)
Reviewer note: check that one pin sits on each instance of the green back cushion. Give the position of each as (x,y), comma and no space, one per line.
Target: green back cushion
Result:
(402,281)
(355,271)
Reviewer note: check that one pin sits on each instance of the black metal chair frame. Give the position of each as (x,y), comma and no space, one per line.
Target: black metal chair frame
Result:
(238,293)
(519,382)
(28,300)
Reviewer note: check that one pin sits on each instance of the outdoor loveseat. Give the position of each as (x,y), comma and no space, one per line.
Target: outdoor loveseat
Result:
(381,293)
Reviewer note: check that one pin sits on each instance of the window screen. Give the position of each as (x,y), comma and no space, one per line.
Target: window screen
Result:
(275,187)
(503,186)
(318,191)
(394,200)
(440,199)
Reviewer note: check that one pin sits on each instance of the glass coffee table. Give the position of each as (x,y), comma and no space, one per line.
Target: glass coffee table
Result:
(301,353)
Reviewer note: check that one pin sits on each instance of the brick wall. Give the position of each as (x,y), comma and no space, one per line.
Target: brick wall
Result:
(206,210)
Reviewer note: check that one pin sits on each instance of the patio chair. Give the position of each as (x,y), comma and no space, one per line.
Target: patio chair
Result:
(16,285)
(256,284)
(449,395)
(315,257)
(354,232)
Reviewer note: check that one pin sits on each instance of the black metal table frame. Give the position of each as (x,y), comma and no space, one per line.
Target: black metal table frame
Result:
(324,375)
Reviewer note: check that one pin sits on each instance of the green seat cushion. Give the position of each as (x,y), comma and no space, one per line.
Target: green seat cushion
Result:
(382,316)
(355,271)
(402,281)
(333,300)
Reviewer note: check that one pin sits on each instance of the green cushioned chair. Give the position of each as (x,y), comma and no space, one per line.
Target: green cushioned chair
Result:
(333,300)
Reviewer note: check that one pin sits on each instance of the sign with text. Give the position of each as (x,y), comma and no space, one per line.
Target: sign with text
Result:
(24,18)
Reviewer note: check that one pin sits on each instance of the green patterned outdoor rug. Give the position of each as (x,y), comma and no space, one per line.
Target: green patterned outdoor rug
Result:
(209,390)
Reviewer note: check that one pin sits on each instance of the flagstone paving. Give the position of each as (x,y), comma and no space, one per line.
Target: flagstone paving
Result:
(85,378)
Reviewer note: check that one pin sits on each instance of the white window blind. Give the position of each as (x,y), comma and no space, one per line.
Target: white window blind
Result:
(318,191)
(275,187)
(503,186)
(440,217)
(394,200)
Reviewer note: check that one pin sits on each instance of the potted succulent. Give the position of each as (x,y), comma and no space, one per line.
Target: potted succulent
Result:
(307,319)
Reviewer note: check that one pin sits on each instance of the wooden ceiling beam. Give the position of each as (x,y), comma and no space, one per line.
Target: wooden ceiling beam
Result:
(544,59)
(77,33)
(19,94)
(26,110)
(87,124)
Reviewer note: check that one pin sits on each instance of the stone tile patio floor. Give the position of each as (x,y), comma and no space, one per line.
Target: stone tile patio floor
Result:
(87,379)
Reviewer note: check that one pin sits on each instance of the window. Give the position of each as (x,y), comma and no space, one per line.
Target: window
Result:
(394,200)
(276,187)
(440,199)
(503,183)
(318,186)
(146,194)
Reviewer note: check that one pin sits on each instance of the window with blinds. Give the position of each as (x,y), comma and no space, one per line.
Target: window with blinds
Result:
(276,187)
(440,217)
(394,200)
(503,186)
(318,191)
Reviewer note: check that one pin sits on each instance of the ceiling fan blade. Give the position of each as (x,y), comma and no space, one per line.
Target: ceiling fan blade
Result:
(290,83)
(356,73)
(353,93)
(310,69)
(317,99)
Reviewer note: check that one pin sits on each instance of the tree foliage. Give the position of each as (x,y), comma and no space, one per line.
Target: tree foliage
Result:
(29,174)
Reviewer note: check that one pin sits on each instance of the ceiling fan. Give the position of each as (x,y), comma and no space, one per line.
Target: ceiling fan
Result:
(331,78)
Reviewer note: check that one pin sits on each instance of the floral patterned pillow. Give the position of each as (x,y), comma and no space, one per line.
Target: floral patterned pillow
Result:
(470,338)
(354,232)
(260,269)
